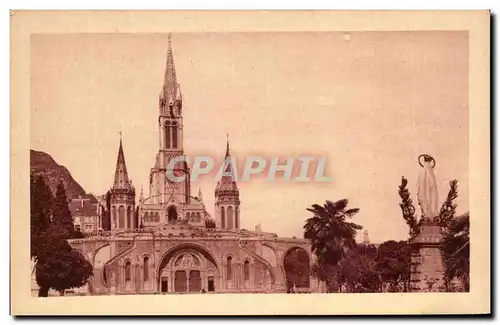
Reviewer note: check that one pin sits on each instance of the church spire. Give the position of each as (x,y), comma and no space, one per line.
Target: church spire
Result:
(170,90)
(228,153)
(121,175)
(227,195)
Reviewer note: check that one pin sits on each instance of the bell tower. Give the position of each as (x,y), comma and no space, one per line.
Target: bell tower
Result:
(122,196)
(165,175)
(227,197)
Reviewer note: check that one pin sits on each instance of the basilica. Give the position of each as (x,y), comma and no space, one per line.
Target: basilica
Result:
(167,242)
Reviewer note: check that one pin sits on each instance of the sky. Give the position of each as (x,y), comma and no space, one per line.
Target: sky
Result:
(370,102)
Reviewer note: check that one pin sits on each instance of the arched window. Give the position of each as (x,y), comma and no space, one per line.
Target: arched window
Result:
(230,218)
(130,222)
(198,217)
(222,218)
(188,216)
(127,271)
(167,135)
(246,270)
(146,217)
(171,214)
(174,135)
(237,218)
(229,268)
(113,216)
(146,268)
(157,217)
(121,217)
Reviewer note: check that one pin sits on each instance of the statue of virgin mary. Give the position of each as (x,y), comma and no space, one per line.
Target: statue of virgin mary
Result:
(427,188)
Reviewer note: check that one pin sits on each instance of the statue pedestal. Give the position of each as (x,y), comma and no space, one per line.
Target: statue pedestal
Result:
(426,270)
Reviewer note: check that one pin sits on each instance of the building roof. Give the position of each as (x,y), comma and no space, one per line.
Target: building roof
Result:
(84,206)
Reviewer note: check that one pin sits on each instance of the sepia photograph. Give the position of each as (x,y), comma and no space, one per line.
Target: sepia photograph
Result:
(200,164)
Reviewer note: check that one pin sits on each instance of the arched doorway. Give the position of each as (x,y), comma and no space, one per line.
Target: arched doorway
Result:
(297,269)
(172,214)
(187,269)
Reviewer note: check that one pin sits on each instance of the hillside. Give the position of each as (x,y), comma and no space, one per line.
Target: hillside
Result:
(42,163)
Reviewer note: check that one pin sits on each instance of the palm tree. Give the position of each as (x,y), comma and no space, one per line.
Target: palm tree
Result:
(456,249)
(330,234)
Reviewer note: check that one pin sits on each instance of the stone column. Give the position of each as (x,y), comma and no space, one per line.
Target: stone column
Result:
(426,273)
(137,278)
(238,277)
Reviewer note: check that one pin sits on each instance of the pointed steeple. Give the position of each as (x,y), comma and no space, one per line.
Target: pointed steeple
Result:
(227,159)
(228,153)
(228,179)
(170,90)
(200,195)
(121,175)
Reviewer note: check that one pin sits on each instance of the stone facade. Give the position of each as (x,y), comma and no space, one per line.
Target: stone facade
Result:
(166,246)
(184,258)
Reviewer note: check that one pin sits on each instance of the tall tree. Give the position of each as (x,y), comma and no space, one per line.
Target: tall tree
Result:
(57,266)
(60,267)
(393,264)
(61,214)
(330,233)
(407,208)
(456,250)
(41,210)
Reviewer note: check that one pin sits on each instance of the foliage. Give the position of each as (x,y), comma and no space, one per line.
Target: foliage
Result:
(329,274)
(297,271)
(331,237)
(329,232)
(407,208)
(358,270)
(447,211)
(41,211)
(106,220)
(58,266)
(393,264)
(456,250)
(209,223)
(62,218)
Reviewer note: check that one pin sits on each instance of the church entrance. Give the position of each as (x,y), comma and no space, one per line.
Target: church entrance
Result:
(172,214)
(164,284)
(211,283)
(189,278)
(189,270)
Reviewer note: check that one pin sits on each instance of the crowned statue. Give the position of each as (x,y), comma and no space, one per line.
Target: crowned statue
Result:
(427,188)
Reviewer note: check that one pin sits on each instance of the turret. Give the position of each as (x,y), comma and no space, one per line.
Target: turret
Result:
(227,196)
(122,196)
